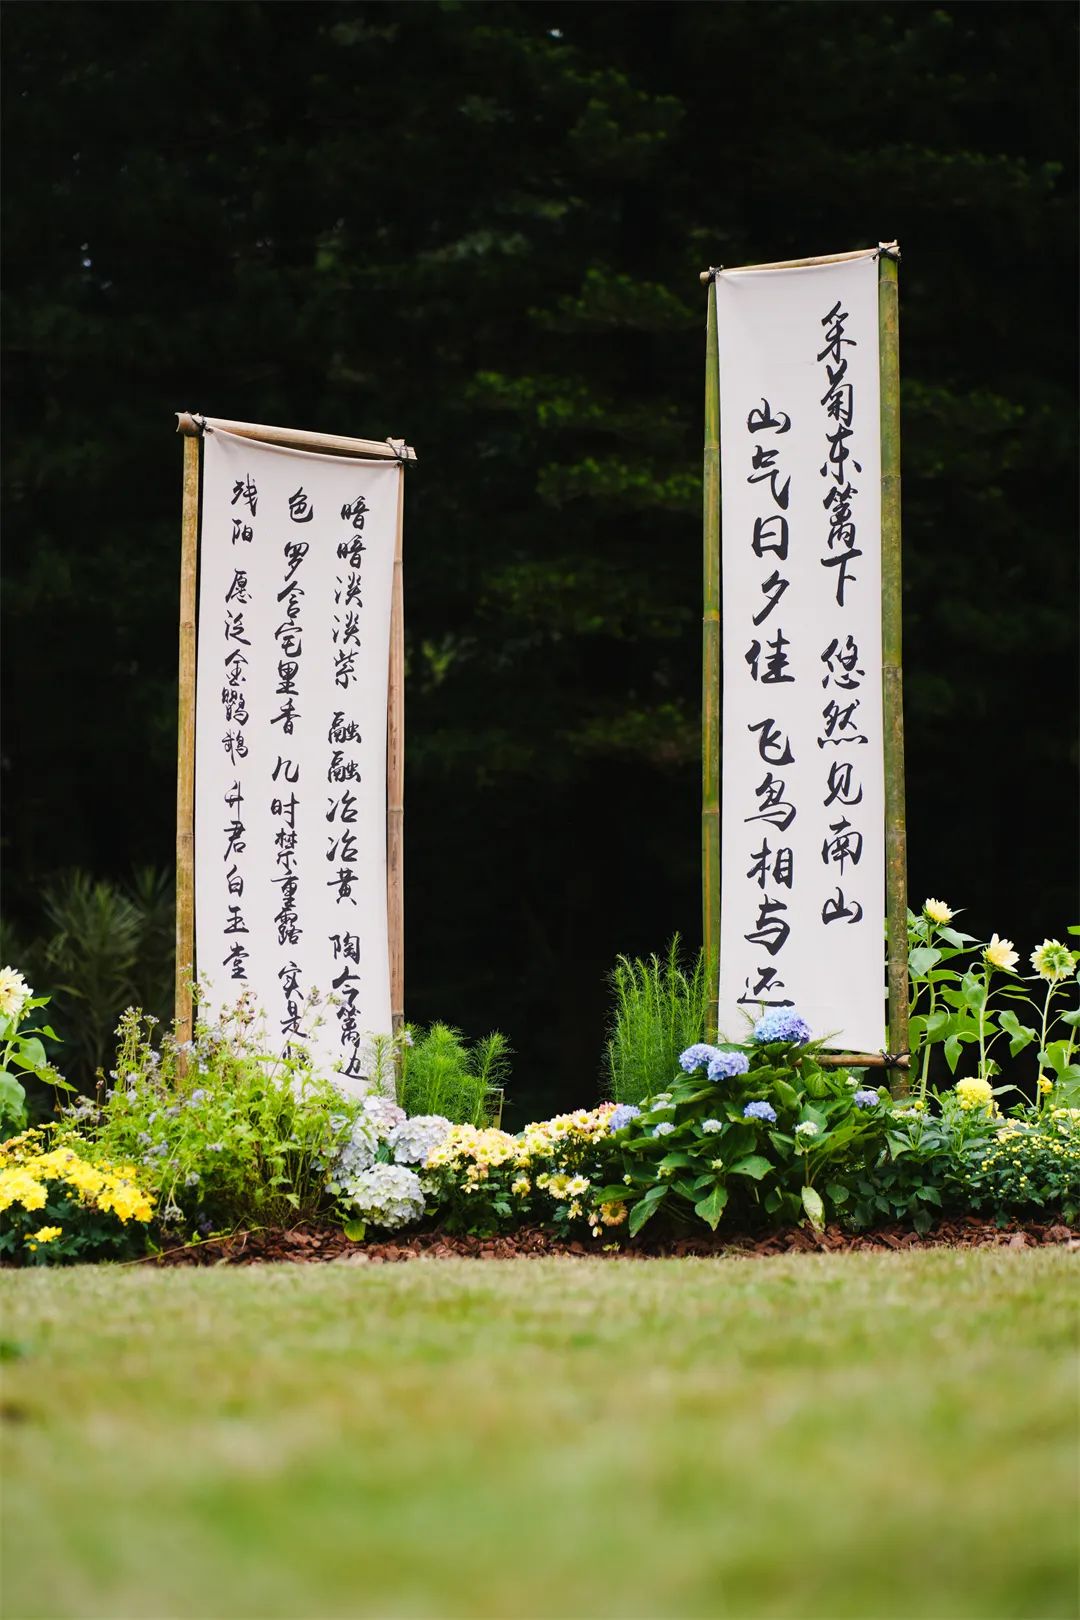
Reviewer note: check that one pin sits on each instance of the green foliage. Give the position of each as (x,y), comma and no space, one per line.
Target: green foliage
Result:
(108,946)
(441,1074)
(660,1009)
(1032,1166)
(225,1133)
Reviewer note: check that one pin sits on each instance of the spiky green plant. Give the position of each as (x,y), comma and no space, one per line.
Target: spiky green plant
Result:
(442,1075)
(660,1009)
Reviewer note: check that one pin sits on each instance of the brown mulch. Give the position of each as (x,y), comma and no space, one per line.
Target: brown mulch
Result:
(328,1243)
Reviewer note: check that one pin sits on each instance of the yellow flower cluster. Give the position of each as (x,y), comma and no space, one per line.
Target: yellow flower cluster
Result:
(468,1144)
(540,1140)
(974,1093)
(25,1171)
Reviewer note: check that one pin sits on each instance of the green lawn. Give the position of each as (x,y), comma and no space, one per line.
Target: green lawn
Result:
(815,1436)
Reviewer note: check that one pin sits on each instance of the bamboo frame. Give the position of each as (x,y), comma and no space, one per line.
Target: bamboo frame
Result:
(395,780)
(192,426)
(185,746)
(298,438)
(711,672)
(892,667)
(898,1056)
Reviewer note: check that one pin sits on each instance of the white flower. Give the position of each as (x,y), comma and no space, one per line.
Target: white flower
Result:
(665,1128)
(414,1139)
(712,1125)
(14,992)
(937,911)
(1000,953)
(383,1113)
(388,1195)
(807,1128)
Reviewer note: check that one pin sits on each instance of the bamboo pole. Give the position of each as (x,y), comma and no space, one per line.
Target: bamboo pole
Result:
(395,779)
(710,671)
(185,747)
(892,670)
(298,438)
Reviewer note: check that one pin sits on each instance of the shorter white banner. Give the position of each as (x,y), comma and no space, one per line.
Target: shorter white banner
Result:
(802,801)
(296,572)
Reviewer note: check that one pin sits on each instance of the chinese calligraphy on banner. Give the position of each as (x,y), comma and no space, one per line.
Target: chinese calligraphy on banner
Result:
(802,801)
(296,573)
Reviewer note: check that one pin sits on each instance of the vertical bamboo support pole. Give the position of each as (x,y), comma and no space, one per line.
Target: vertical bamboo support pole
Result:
(892,672)
(710,669)
(185,745)
(395,779)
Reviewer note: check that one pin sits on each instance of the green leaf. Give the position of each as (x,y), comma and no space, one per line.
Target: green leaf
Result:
(1019,1034)
(753,1165)
(355,1231)
(617,1193)
(922,959)
(31,1054)
(813,1206)
(837,1192)
(1072,1019)
(955,937)
(644,1211)
(711,1208)
(786,1094)
(952,1052)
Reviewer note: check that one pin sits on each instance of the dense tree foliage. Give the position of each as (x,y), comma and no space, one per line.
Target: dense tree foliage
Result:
(480,227)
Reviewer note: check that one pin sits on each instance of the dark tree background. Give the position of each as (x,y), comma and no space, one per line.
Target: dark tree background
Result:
(480,227)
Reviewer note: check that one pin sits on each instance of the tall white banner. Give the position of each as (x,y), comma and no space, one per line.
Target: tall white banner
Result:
(803,799)
(296,571)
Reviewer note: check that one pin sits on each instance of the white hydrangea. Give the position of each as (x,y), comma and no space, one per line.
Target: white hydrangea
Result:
(388,1195)
(355,1154)
(383,1113)
(415,1138)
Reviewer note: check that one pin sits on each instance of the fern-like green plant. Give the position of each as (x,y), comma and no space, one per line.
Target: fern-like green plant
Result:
(104,948)
(441,1075)
(660,1010)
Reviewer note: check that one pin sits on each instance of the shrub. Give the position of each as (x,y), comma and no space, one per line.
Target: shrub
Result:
(441,1075)
(225,1133)
(660,1010)
(763,1128)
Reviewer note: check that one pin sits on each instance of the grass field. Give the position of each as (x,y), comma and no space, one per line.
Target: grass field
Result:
(825,1437)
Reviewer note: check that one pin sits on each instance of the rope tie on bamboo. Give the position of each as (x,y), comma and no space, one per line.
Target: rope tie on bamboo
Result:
(896,1060)
(888,250)
(400,449)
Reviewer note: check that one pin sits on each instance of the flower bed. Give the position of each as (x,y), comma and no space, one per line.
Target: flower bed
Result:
(743,1140)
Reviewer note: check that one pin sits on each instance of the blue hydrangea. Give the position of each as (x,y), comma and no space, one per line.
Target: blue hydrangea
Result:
(621,1115)
(696,1057)
(726,1065)
(866,1099)
(781,1025)
(760,1110)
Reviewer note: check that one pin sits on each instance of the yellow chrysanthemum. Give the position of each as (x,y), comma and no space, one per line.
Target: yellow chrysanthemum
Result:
(974,1093)
(44,1234)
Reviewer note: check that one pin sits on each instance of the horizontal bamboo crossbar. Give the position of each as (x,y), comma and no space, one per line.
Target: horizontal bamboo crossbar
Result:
(863,1060)
(799,264)
(298,438)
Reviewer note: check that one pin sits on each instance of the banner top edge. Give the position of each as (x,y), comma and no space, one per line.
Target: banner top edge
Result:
(889,249)
(335,444)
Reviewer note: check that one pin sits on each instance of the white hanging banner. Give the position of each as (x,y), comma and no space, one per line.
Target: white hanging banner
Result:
(296,564)
(802,909)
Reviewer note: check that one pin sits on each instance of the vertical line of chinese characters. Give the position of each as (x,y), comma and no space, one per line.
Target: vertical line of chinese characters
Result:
(802,775)
(296,575)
